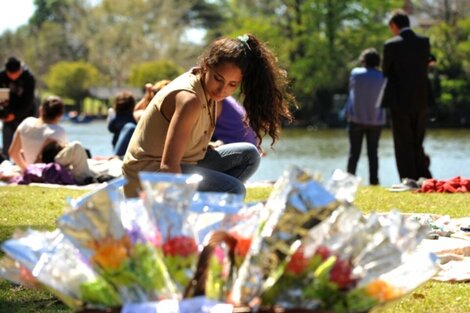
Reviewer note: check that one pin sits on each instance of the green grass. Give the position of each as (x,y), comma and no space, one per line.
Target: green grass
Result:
(38,207)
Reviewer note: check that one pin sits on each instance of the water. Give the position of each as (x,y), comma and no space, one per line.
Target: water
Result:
(321,151)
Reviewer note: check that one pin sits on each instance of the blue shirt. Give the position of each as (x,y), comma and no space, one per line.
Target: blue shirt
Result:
(365,85)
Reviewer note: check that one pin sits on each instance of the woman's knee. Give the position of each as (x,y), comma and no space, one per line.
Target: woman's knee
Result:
(221,182)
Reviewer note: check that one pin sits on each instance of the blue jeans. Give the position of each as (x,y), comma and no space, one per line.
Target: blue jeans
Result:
(356,134)
(123,140)
(226,168)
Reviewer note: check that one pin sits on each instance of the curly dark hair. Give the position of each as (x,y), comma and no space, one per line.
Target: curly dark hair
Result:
(264,86)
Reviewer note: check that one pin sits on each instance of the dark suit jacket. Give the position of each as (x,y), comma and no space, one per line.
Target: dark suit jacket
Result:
(405,65)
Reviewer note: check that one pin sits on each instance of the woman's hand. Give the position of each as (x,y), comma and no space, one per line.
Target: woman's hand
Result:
(215,144)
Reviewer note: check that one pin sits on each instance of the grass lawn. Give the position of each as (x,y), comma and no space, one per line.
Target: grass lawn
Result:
(38,207)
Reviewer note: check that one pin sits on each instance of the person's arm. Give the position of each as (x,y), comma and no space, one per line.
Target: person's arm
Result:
(185,115)
(16,154)
(387,61)
(112,126)
(25,102)
(140,106)
(215,143)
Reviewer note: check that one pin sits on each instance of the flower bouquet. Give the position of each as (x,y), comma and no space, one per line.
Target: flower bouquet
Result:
(351,263)
(115,244)
(167,198)
(296,204)
(48,259)
(224,225)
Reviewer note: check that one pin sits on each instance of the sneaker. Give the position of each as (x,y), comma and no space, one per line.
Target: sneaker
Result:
(405,185)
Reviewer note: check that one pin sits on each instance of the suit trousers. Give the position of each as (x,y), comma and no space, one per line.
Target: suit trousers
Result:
(356,134)
(408,136)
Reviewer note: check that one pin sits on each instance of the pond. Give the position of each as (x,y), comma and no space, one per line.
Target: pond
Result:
(322,151)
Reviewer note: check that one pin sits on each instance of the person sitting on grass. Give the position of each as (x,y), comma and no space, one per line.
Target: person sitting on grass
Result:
(74,158)
(174,133)
(33,132)
(121,122)
(150,92)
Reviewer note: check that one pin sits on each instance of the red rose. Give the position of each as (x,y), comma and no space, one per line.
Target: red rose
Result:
(298,263)
(180,245)
(323,252)
(341,273)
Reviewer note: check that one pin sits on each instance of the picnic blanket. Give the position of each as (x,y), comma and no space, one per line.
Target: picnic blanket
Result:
(54,173)
(452,245)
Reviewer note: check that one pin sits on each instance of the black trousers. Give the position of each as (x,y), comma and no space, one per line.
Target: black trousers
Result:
(408,136)
(356,133)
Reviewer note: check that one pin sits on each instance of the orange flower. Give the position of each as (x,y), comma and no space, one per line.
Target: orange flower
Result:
(27,278)
(382,291)
(111,252)
(243,246)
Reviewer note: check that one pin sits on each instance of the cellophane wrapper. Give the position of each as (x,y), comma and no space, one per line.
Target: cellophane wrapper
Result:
(351,262)
(116,245)
(167,198)
(49,260)
(13,271)
(297,203)
(211,213)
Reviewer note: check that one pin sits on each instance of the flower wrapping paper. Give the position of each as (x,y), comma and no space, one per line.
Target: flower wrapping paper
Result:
(120,250)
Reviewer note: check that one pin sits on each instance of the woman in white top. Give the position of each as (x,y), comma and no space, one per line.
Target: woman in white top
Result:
(33,132)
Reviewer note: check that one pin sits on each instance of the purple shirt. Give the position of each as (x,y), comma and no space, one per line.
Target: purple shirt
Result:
(229,127)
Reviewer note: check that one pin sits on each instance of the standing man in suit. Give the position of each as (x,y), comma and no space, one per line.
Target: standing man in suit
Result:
(405,66)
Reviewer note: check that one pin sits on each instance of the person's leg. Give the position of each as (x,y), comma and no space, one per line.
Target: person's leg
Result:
(372,138)
(403,140)
(74,157)
(422,160)
(239,160)
(355,134)
(7,135)
(123,140)
(215,181)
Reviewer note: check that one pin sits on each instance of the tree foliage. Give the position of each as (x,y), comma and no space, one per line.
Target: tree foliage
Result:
(72,79)
(151,72)
(317,41)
